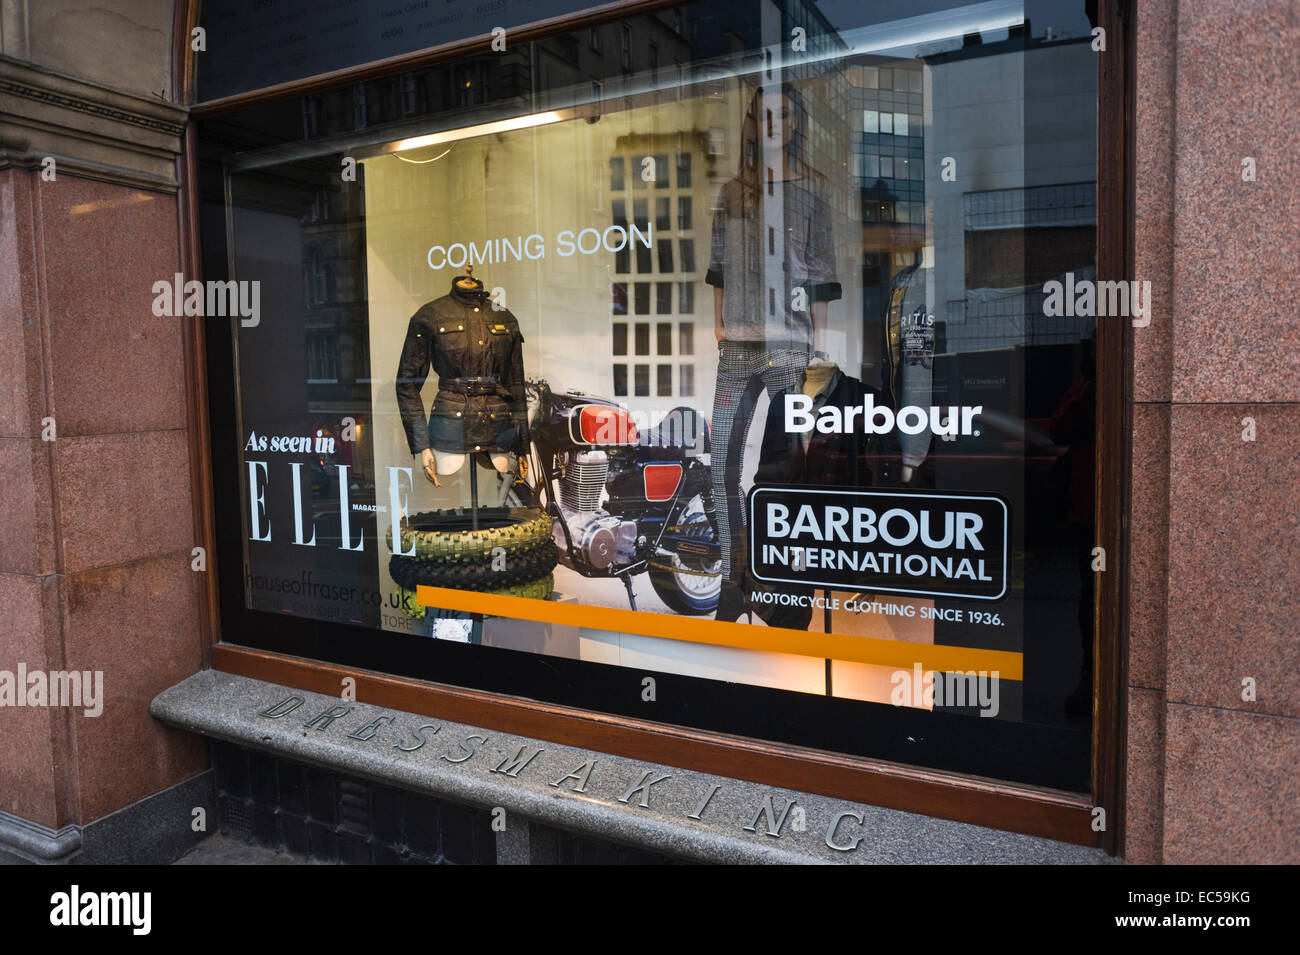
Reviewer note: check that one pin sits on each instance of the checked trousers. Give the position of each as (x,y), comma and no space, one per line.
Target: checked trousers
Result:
(745,369)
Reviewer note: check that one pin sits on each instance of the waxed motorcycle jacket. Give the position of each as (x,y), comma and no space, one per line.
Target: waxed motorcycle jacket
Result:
(477,354)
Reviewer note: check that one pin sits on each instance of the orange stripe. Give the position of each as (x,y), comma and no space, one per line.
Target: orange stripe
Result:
(834,646)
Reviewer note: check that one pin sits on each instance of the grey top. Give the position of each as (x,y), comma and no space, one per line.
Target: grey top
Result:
(760,254)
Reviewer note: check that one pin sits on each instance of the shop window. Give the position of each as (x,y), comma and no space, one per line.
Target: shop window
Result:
(663,215)
(360,115)
(928,301)
(687,389)
(310,125)
(665,247)
(664,338)
(408,92)
(663,179)
(663,298)
(688,254)
(319,278)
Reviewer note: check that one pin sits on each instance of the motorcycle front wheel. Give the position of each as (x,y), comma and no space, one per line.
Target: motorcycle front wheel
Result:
(691,586)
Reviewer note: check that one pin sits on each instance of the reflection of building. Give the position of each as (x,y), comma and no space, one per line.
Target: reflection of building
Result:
(657,299)
(888,163)
(335,314)
(1017,213)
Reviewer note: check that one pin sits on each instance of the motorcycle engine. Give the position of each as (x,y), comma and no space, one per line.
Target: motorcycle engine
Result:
(599,536)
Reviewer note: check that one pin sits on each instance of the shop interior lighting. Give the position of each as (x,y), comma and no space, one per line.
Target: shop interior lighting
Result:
(471,132)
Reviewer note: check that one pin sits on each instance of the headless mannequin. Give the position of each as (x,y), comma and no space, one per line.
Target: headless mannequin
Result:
(433,462)
(819,372)
(816,375)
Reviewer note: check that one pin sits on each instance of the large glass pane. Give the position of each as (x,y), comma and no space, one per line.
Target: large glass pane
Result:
(879,447)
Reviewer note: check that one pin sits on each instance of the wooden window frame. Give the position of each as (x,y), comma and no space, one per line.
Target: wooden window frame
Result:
(1031,810)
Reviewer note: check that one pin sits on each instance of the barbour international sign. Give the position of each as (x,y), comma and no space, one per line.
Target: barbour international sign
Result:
(939,545)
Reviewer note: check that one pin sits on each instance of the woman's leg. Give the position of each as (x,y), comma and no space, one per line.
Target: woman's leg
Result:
(744,371)
(732,414)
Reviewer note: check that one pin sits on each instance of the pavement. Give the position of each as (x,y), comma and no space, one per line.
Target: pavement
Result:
(223,850)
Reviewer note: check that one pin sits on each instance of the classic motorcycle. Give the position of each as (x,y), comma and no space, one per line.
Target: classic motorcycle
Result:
(626,501)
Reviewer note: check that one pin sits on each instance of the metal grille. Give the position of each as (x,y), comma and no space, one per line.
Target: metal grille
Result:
(1015,318)
(238,818)
(1070,204)
(583,481)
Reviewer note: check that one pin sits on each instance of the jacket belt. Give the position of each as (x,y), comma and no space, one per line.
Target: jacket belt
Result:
(472,386)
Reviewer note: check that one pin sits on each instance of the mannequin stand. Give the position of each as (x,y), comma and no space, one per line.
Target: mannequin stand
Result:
(473,492)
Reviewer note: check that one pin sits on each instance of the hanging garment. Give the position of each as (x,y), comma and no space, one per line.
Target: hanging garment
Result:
(909,354)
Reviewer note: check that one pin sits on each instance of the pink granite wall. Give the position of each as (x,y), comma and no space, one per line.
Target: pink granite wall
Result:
(97,529)
(1215,533)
